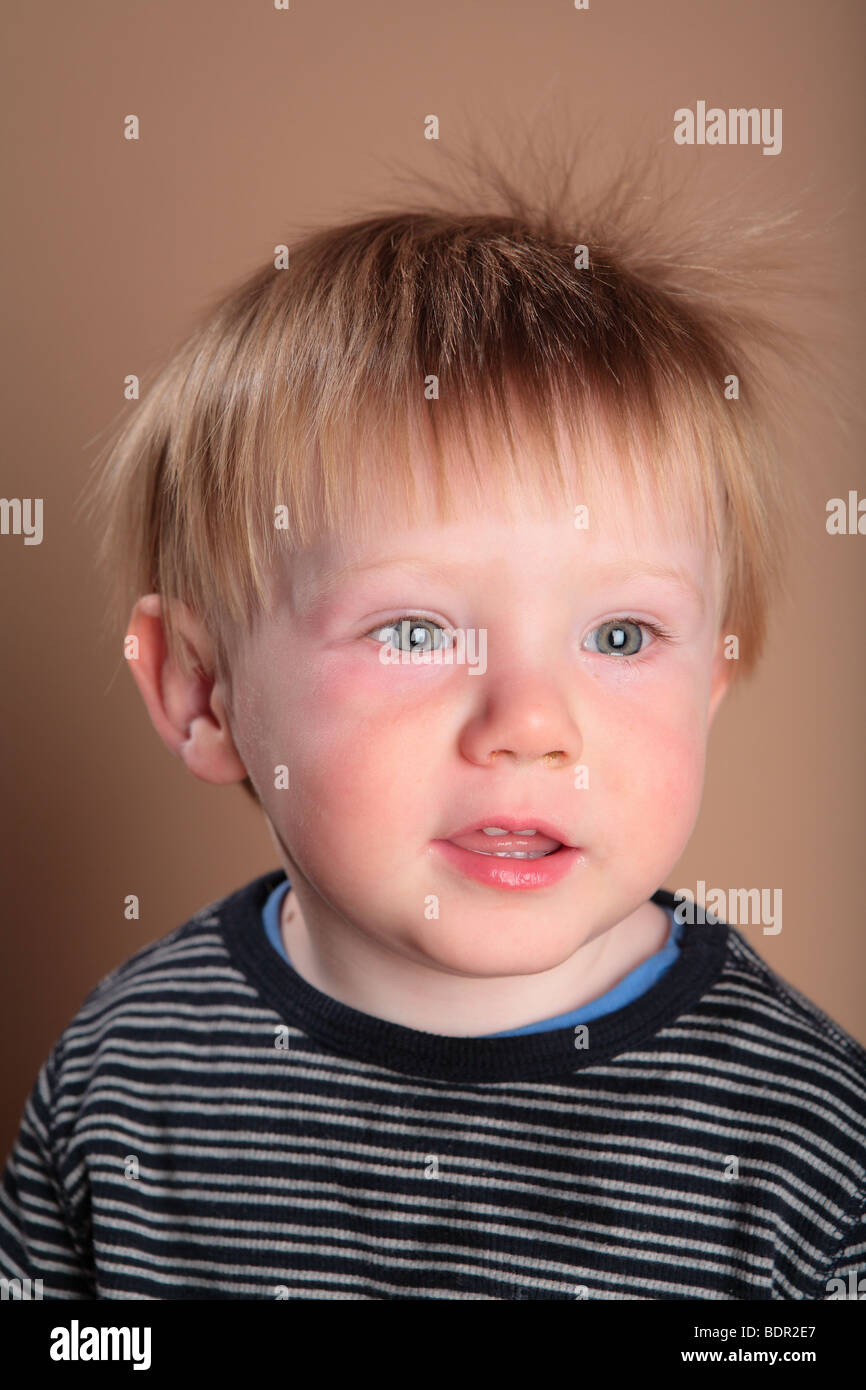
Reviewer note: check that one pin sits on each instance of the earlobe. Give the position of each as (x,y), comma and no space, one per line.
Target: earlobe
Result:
(186,707)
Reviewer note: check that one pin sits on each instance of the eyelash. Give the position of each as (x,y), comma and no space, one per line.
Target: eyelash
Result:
(660,633)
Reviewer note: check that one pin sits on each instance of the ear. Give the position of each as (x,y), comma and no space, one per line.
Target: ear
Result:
(719,681)
(187,711)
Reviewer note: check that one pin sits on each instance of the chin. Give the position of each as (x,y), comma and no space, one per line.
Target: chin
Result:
(490,959)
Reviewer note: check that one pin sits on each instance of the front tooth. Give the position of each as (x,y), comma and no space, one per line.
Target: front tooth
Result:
(497,830)
(511,854)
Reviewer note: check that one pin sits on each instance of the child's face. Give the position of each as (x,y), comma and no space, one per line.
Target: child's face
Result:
(384,760)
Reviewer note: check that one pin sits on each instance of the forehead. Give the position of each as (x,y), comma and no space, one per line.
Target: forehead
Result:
(544,534)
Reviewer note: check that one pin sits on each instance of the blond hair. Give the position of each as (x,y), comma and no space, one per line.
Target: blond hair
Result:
(298,377)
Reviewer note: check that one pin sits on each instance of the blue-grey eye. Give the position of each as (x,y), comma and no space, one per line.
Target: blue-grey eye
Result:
(413,630)
(619,637)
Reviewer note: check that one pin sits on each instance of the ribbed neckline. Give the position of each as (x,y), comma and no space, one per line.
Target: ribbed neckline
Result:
(533,1056)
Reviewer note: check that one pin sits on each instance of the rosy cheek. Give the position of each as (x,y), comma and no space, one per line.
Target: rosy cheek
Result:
(650,754)
(350,682)
(347,760)
(676,774)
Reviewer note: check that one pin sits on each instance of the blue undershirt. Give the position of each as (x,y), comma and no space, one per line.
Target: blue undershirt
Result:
(636,982)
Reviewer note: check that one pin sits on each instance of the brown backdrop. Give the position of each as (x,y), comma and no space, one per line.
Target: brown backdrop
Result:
(252,118)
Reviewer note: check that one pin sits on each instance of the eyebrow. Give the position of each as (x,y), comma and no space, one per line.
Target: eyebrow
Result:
(319,591)
(629,569)
(618,571)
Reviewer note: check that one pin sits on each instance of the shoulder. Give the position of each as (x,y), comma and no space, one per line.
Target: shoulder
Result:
(765,998)
(170,996)
(193,952)
(785,1061)
(765,1067)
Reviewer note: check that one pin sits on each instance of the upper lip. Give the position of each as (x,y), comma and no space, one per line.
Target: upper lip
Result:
(521,820)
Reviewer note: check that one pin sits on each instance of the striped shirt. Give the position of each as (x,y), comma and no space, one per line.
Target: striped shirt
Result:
(210,1125)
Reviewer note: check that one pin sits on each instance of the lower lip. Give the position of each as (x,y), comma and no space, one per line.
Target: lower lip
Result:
(510,873)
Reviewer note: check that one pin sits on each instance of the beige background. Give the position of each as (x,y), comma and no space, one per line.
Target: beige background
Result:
(253,119)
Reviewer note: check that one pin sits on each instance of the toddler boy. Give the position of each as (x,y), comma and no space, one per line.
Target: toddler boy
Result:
(447,538)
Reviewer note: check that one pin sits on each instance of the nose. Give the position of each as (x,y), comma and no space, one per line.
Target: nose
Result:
(528,720)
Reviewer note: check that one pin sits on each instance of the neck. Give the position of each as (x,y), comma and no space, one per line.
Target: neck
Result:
(341,961)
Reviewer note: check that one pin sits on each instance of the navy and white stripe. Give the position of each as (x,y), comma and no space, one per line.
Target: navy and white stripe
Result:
(708,1143)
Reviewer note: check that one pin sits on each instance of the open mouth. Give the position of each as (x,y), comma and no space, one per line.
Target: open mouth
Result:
(514,853)
(472,854)
(497,842)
